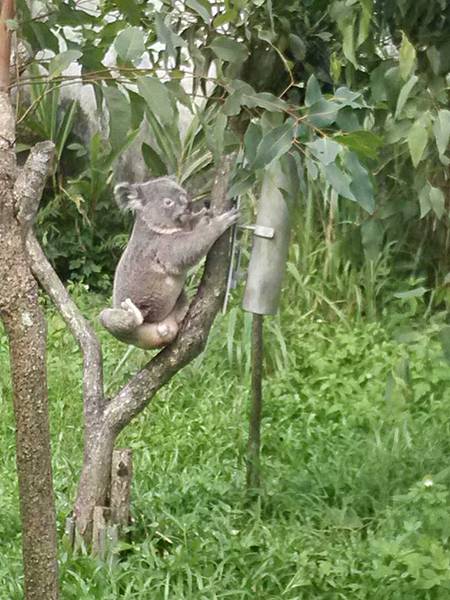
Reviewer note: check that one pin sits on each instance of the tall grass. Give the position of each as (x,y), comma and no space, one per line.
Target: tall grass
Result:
(355,455)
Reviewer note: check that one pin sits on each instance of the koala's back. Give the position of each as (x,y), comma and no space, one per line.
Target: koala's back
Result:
(140,277)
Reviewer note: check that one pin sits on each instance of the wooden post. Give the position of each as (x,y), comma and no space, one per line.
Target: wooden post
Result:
(254,436)
(262,295)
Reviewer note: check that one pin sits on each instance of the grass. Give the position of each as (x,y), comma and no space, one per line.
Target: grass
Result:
(355,465)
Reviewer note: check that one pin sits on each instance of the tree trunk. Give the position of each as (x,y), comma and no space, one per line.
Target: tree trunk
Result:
(25,326)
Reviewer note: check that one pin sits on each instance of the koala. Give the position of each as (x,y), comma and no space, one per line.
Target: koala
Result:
(168,238)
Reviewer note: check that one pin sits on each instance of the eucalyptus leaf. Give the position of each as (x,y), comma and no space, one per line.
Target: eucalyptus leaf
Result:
(323,113)
(274,144)
(297,46)
(417,141)
(404,94)
(129,44)
(157,97)
(361,183)
(324,149)
(200,9)
(252,138)
(339,180)
(229,50)
(119,110)
(362,142)
(62,61)
(437,201)
(441,130)
(407,57)
(313,92)
(153,161)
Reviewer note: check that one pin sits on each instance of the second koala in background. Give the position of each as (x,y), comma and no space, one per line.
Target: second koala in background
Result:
(168,238)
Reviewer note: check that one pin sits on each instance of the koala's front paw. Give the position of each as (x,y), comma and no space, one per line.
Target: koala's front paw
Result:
(229,218)
(130,307)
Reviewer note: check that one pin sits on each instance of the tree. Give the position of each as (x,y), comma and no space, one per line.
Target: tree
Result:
(26,329)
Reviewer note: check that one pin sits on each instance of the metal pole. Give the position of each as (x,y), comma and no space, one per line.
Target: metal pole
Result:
(254,437)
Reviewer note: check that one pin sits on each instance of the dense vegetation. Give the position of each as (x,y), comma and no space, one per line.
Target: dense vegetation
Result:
(355,454)
(352,98)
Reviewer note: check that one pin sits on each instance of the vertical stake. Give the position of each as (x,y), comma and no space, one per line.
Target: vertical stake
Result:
(254,436)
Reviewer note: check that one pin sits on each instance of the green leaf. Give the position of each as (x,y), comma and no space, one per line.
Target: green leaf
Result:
(424,200)
(348,40)
(62,61)
(404,94)
(417,141)
(153,161)
(157,97)
(200,9)
(119,115)
(225,17)
(437,201)
(323,113)
(339,181)
(407,57)
(129,44)
(166,36)
(241,183)
(274,144)
(441,130)
(252,138)
(361,184)
(232,105)
(324,149)
(297,47)
(313,92)
(362,142)
(180,94)
(264,100)
(229,50)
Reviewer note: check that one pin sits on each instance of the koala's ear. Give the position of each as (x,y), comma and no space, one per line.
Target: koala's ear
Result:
(127,197)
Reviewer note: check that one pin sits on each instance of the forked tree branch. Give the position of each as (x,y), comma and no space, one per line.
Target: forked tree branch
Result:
(28,190)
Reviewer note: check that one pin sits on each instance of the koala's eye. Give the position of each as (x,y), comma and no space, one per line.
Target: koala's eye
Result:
(168,202)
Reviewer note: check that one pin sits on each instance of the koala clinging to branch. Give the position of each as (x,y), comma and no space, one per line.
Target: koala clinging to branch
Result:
(168,239)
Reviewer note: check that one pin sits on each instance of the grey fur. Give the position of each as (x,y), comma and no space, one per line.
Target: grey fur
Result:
(168,239)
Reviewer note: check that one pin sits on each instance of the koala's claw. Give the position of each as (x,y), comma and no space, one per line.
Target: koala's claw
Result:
(230,217)
(129,306)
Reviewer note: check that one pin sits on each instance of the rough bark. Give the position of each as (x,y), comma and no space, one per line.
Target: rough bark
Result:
(26,329)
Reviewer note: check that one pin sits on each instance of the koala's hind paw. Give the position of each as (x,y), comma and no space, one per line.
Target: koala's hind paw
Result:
(128,306)
(163,330)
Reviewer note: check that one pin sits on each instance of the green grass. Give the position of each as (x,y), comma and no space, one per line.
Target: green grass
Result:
(355,424)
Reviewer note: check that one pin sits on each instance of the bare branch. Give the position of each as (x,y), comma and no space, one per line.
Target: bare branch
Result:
(81,330)
(31,180)
(135,396)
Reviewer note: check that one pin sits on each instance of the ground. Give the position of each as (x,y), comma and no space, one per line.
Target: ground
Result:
(355,467)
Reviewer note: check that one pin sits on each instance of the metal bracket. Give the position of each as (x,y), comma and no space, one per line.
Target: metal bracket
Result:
(260,231)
